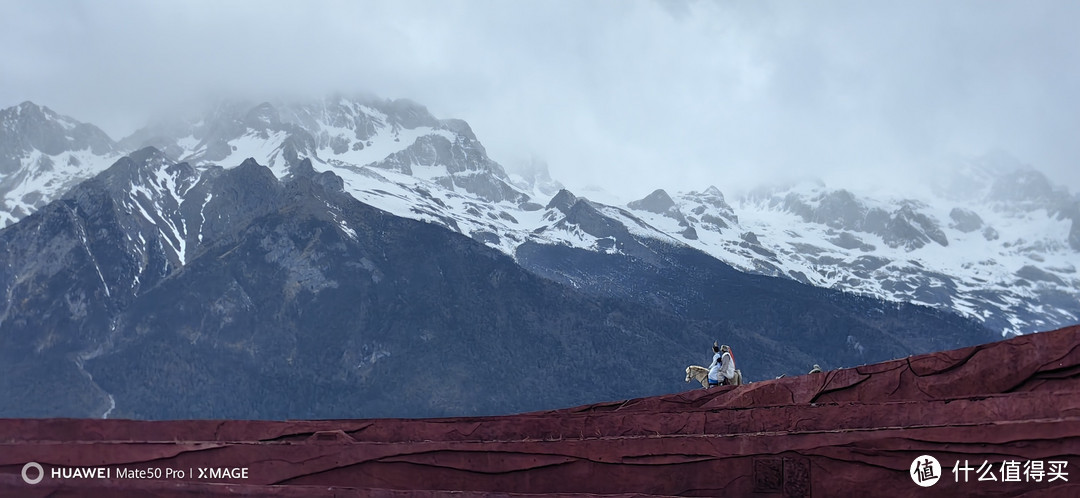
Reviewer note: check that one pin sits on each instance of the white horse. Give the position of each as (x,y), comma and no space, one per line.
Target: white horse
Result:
(701,374)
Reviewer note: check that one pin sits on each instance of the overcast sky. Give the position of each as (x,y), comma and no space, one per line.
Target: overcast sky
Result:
(629,95)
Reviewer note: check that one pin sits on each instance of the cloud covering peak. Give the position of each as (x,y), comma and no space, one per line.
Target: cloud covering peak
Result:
(632,96)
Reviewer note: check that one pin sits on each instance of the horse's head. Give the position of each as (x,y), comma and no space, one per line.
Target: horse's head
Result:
(687,374)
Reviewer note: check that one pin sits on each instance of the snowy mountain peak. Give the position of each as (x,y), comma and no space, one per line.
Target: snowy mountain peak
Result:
(33,114)
(142,166)
(341,133)
(42,155)
(28,127)
(148,157)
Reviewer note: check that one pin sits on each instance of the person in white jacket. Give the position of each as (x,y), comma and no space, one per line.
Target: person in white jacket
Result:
(722,369)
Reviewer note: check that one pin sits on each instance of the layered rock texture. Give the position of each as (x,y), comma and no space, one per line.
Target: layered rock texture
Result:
(851,432)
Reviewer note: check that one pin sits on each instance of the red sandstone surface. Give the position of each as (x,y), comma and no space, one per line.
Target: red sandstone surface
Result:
(851,432)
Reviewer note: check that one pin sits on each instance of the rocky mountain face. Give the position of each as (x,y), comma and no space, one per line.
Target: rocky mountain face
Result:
(277,244)
(997,242)
(161,290)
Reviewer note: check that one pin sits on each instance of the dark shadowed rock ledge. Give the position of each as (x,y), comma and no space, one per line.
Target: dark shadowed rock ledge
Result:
(852,432)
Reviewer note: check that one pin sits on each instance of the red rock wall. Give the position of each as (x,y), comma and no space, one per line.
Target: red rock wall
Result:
(852,432)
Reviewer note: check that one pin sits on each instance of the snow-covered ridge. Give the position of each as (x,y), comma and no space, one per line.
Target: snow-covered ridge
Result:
(995,242)
(1008,264)
(1015,271)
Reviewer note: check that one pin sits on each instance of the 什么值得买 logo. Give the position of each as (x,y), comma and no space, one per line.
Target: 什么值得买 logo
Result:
(925,471)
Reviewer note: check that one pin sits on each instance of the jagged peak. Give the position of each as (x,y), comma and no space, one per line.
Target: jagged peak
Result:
(562,201)
(253,176)
(29,106)
(711,195)
(250,163)
(34,126)
(303,168)
(28,111)
(657,202)
(147,154)
(327,179)
(144,167)
(135,163)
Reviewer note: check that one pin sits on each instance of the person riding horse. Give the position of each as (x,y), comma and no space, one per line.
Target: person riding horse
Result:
(722,369)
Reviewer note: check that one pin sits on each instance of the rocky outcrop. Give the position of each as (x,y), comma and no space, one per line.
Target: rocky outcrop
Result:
(912,230)
(657,202)
(464,159)
(562,201)
(965,220)
(713,209)
(905,226)
(837,433)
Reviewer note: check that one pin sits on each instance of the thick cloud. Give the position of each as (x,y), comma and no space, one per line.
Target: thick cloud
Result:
(628,95)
